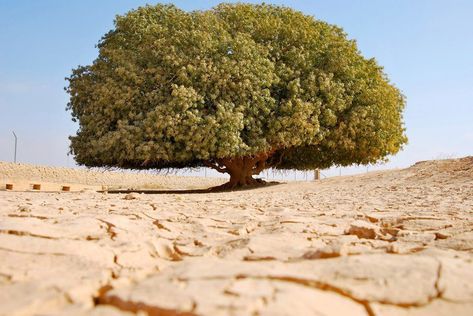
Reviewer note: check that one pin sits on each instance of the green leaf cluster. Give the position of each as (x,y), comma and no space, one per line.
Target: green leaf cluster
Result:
(175,89)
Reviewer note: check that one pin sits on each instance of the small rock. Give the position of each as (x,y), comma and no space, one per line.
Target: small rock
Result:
(439,235)
(323,253)
(166,250)
(372,219)
(24,209)
(403,247)
(329,251)
(129,196)
(363,229)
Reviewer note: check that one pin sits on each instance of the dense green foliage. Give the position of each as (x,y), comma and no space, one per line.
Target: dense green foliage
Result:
(176,89)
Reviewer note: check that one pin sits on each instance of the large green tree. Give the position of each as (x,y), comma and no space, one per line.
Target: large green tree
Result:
(238,88)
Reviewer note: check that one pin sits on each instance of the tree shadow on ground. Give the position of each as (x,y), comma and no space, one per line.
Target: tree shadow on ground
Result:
(217,189)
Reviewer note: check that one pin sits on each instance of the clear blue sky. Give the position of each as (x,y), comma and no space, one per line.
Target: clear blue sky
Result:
(426,47)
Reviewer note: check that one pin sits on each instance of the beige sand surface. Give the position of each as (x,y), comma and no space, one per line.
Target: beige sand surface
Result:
(384,243)
(22,176)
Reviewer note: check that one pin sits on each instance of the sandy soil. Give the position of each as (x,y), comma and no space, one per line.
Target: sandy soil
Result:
(384,243)
(22,176)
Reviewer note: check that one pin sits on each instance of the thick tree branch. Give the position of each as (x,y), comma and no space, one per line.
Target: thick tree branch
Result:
(215,167)
(276,162)
(260,166)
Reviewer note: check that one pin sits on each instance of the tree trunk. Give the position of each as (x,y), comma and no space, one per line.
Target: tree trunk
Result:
(241,173)
(241,169)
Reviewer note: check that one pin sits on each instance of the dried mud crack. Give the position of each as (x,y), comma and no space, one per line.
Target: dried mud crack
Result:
(103,298)
(382,243)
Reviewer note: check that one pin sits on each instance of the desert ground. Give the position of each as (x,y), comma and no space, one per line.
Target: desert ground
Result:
(396,242)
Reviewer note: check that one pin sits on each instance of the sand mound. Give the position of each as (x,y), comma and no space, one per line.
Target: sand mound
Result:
(19,173)
(394,242)
(448,169)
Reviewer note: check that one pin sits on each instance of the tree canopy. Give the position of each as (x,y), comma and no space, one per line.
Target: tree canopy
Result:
(236,87)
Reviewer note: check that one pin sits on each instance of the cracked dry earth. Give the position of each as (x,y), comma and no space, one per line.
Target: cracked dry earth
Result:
(385,243)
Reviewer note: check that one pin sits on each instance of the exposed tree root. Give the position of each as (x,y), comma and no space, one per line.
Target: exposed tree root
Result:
(235,185)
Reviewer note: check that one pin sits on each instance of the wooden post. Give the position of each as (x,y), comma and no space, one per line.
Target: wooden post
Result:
(317,174)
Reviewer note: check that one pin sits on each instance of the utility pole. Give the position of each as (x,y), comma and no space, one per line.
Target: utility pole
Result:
(16,142)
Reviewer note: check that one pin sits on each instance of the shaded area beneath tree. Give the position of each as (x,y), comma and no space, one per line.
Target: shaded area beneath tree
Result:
(216,189)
